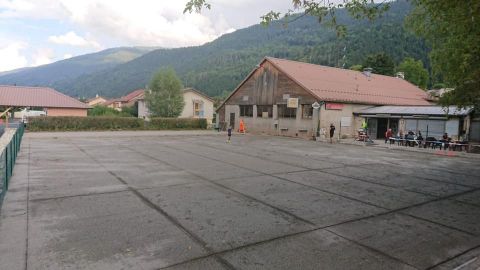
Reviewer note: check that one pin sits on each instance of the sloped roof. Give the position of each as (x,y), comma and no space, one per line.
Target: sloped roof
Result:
(189,89)
(417,110)
(27,96)
(132,95)
(343,85)
(127,98)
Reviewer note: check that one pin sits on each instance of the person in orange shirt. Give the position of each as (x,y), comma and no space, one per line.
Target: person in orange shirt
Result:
(242,127)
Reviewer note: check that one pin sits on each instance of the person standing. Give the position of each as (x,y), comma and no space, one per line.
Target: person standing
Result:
(332,132)
(388,135)
(229,133)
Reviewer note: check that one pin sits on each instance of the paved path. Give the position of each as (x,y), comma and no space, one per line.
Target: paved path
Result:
(177,201)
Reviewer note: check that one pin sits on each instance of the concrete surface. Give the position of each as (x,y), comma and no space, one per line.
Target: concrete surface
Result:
(189,200)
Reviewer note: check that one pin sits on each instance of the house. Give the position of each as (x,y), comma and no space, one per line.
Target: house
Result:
(197,105)
(97,100)
(125,101)
(46,99)
(431,121)
(278,97)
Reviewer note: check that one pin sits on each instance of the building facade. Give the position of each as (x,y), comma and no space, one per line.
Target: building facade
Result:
(431,121)
(197,105)
(276,98)
(52,102)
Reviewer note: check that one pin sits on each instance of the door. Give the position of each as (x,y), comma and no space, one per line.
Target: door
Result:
(232,120)
(393,124)
(382,127)
(372,128)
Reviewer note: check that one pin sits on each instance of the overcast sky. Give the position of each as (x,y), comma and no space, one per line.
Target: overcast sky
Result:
(37,32)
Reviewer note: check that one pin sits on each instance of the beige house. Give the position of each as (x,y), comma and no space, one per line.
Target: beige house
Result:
(97,100)
(197,105)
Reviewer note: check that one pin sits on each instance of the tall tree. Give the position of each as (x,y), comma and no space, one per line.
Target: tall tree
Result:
(451,27)
(453,30)
(381,63)
(414,72)
(164,96)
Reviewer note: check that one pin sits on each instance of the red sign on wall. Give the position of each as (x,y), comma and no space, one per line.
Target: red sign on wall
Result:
(333,106)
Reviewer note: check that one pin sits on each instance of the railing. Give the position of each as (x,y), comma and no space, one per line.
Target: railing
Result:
(7,159)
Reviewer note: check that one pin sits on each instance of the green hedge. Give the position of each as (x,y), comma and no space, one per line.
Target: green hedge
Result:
(70,123)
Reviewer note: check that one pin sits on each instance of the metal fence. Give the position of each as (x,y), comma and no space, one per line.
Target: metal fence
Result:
(7,160)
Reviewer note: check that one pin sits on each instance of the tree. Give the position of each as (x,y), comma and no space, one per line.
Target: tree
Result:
(381,63)
(164,96)
(452,29)
(414,72)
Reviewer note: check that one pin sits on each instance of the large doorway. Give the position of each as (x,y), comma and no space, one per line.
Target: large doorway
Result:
(382,126)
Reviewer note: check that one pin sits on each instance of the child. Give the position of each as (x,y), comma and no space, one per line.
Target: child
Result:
(332,132)
(229,133)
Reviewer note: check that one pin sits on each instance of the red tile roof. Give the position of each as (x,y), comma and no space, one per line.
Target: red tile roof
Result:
(132,95)
(27,96)
(343,85)
(127,98)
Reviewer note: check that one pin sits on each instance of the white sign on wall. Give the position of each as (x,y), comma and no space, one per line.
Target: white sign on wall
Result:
(292,103)
(345,121)
(245,98)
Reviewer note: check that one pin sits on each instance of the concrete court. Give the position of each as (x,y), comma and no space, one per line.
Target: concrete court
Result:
(189,200)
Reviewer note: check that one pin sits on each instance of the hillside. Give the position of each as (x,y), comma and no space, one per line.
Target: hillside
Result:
(217,67)
(48,75)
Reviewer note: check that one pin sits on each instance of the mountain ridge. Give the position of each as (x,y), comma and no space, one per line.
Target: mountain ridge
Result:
(217,67)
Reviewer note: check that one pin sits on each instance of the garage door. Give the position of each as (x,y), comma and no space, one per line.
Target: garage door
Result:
(431,128)
(475,131)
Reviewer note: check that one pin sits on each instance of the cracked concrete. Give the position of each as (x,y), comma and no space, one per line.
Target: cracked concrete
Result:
(188,200)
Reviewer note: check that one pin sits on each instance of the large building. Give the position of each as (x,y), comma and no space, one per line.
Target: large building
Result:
(277,96)
(52,102)
(197,105)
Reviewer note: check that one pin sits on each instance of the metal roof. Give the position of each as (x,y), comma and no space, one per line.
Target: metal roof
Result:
(27,96)
(417,110)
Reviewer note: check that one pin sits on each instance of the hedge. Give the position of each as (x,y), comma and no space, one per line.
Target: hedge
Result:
(71,123)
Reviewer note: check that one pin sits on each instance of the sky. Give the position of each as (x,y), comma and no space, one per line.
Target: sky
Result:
(38,32)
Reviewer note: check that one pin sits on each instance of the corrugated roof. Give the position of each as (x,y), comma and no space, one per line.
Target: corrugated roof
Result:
(343,85)
(27,96)
(417,110)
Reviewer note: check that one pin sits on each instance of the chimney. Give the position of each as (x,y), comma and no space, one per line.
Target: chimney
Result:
(367,72)
(400,75)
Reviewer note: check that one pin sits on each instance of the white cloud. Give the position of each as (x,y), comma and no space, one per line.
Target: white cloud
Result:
(11,58)
(42,57)
(72,39)
(67,56)
(141,22)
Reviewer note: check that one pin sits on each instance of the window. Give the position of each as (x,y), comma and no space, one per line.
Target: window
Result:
(284,112)
(307,111)
(246,110)
(265,110)
(198,108)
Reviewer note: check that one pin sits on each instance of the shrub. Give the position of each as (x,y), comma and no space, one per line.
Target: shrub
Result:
(71,123)
(177,123)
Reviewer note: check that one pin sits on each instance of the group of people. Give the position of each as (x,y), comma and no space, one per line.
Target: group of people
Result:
(411,137)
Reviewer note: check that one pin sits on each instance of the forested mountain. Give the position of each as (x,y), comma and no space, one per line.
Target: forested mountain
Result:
(217,67)
(68,69)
